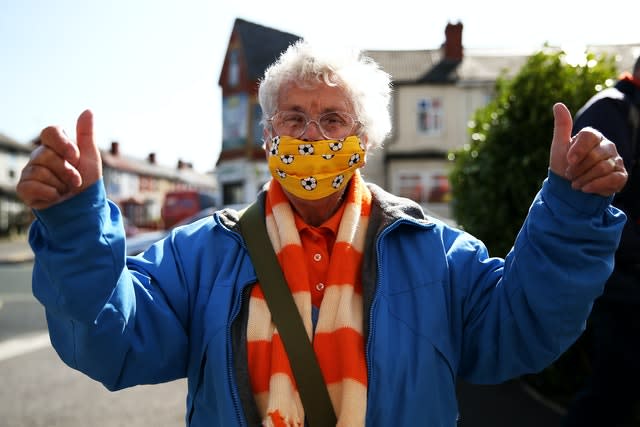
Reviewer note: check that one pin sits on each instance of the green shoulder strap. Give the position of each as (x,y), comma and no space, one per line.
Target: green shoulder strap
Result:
(311,386)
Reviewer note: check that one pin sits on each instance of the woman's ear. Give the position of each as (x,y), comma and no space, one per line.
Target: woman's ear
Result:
(365,142)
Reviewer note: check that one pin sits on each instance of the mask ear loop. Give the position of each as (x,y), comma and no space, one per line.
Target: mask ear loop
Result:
(269,136)
(364,141)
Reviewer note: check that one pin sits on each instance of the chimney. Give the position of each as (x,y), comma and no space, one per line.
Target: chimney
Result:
(452,47)
(184,165)
(115,148)
(151,158)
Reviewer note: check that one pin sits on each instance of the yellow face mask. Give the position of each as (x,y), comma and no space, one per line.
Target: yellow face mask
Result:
(312,170)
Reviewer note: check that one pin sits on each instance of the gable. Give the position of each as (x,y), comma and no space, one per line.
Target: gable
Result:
(260,46)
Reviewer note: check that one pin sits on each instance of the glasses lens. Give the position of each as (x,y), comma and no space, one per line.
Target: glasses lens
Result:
(336,124)
(333,125)
(291,123)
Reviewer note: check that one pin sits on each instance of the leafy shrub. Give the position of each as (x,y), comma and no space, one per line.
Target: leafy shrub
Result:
(496,175)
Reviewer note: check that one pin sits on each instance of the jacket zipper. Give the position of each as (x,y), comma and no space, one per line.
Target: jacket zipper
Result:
(237,406)
(230,375)
(374,298)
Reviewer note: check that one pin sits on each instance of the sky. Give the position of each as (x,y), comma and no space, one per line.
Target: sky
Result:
(149,69)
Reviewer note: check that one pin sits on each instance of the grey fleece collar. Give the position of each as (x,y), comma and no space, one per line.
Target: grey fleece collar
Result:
(390,209)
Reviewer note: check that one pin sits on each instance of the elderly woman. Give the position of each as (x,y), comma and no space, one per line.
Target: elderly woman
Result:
(398,304)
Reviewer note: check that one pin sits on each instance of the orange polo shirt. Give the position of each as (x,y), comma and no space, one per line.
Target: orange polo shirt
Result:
(317,244)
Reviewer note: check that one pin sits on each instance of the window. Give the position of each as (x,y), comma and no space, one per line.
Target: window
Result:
(146,183)
(411,186)
(233,78)
(430,186)
(430,114)
(235,121)
(256,126)
(232,193)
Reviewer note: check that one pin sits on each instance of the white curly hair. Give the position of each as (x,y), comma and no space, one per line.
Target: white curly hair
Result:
(362,79)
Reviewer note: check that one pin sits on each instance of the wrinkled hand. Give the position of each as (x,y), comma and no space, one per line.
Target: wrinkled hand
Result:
(590,161)
(58,168)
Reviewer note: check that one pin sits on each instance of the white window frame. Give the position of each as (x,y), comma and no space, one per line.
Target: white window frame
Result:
(430,116)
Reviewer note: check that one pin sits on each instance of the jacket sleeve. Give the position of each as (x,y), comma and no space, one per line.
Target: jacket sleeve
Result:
(520,315)
(93,300)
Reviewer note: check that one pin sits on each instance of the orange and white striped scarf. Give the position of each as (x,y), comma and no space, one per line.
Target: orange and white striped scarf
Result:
(338,340)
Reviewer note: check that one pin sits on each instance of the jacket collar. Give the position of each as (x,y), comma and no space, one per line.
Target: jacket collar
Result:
(391,208)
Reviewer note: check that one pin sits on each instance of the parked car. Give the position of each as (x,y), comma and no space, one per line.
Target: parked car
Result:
(441,189)
(182,204)
(141,241)
(130,228)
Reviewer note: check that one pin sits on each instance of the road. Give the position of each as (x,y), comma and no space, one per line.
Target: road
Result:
(39,390)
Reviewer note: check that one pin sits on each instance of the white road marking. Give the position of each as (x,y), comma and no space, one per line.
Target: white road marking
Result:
(23,344)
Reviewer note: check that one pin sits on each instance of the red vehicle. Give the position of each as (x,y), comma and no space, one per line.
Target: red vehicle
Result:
(441,190)
(182,204)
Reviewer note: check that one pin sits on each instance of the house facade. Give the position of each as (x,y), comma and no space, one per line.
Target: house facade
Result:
(14,215)
(436,93)
(138,186)
(242,169)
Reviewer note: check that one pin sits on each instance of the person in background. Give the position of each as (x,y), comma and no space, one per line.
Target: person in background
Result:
(612,394)
(398,304)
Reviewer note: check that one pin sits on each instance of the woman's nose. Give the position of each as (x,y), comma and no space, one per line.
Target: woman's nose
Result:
(312,132)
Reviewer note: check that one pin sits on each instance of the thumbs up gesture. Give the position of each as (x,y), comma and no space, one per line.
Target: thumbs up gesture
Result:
(590,161)
(59,168)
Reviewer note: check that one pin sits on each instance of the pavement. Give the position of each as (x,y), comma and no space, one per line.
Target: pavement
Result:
(503,405)
(14,250)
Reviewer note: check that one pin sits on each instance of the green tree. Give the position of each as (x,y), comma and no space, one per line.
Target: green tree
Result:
(495,176)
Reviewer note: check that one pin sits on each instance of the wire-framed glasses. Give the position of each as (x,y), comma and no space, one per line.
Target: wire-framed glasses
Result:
(332,125)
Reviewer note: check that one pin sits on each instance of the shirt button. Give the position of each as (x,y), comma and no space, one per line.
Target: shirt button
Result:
(319,286)
(317,257)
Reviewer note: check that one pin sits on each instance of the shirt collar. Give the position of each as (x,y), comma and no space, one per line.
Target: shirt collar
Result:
(331,224)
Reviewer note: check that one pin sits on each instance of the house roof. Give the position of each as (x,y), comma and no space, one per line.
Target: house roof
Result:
(139,166)
(486,66)
(261,45)
(8,144)
(444,71)
(135,165)
(477,66)
(428,66)
(405,65)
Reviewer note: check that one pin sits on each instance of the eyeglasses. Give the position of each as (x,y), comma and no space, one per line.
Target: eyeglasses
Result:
(332,125)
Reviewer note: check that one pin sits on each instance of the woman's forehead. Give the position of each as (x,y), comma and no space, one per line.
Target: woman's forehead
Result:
(313,98)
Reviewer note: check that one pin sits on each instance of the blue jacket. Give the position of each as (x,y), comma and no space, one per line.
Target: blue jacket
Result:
(436,305)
